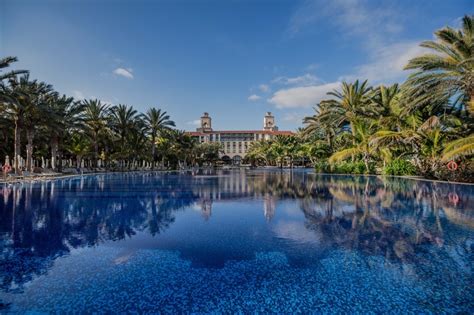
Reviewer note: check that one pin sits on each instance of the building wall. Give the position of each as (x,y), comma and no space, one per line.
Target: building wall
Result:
(234,144)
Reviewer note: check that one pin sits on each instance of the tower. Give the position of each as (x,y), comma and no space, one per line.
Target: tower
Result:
(269,122)
(206,123)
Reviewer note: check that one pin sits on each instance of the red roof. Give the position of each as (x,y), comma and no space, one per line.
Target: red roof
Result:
(268,132)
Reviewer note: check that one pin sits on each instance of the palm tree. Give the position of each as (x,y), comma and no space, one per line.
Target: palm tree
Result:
(386,102)
(363,130)
(78,146)
(348,105)
(14,109)
(40,94)
(182,147)
(156,121)
(123,121)
(320,128)
(284,147)
(95,118)
(448,71)
(423,143)
(5,63)
(25,103)
(260,151)
(64,116)
(314,150)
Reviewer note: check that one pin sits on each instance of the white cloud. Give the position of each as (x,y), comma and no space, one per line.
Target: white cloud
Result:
(127,73)
(291,230)
(79,95)
(302,80)
(303,96)
(264,88)
(196,122)
(254,97)
(377,25)
(387,63)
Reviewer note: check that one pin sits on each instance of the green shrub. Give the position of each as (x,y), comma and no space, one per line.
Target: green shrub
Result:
(322,167)
(399,167)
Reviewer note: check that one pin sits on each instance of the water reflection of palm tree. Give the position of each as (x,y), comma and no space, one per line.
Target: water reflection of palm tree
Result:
(159,218)
(43,221)
(387,217)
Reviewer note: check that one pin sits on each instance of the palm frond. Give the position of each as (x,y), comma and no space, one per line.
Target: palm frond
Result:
(343,155)
(459,148)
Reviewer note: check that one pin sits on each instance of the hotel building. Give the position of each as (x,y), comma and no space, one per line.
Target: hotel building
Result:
(235,143)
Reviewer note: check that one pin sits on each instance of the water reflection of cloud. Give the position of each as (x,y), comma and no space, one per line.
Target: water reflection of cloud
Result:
(291,210)
(294,231)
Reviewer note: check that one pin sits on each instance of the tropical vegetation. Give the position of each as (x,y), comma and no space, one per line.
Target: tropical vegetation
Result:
(423,126)
(39,128)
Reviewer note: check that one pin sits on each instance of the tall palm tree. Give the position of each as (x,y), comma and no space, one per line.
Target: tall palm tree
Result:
(14,108)
(25,103)
(182,147)
(6,99)
(38,97)
(64,116)
(156,121)
(95,118)
(320,128)
(448,71)
(386,101)
(446,74)
(123,120)
(347,105)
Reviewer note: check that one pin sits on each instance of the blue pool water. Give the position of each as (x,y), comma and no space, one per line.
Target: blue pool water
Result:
(236,241)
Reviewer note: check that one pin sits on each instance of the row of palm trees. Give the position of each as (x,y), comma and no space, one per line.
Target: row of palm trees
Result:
(415,127)
(59,128)
(425,122)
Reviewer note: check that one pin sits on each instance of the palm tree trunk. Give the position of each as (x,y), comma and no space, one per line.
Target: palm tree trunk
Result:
(96,149)
(29,149)
(353,140)
(153,151)
(329,141)
(78,161)
(366,162)
(60,155)
(54,150)
(17,149)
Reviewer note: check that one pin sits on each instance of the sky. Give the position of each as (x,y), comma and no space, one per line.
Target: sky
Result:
(233,59)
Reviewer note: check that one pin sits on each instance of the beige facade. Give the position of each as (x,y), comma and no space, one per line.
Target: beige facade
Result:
(236,143)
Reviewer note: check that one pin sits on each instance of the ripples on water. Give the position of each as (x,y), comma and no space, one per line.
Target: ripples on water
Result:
(248,241)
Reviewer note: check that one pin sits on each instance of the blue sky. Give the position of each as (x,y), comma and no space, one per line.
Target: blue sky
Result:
(233,59)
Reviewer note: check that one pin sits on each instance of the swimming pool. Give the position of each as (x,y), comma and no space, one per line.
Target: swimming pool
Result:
(236,241)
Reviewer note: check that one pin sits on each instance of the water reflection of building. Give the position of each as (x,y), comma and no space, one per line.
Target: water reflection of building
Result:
(229,187)
(206,208)
(269,205)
